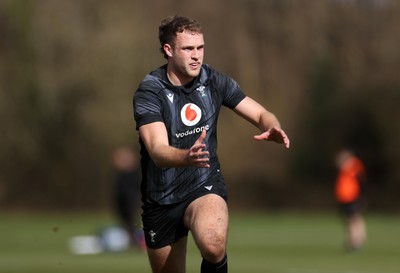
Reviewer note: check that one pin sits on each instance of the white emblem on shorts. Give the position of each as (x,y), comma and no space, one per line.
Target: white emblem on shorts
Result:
(208,187)
(152,235)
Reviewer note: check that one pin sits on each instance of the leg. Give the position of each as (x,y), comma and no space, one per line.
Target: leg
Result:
(207,218)
(169,259)
(356,231)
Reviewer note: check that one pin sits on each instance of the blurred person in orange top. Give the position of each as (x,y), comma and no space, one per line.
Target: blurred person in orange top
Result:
(350,195)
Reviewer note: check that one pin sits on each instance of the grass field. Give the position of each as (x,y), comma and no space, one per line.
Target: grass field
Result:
(258,243)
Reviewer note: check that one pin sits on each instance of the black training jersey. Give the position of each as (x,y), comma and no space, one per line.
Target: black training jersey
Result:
(185,111)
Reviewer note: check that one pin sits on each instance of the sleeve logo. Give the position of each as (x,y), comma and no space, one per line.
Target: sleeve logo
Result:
(190,114)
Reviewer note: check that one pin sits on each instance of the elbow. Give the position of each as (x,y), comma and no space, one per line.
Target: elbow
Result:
(157,155)
(157,160)
(159,163)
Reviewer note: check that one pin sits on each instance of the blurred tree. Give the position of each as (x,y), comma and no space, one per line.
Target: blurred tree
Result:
(68,70)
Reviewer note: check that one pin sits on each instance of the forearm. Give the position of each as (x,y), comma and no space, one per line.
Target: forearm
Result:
(256,114)
(155,138)
(165,156)
(264,120)
(267,121)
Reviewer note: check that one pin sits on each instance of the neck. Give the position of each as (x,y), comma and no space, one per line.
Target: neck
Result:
(177,80)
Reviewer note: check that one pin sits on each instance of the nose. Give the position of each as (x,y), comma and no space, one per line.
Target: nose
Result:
(195,54)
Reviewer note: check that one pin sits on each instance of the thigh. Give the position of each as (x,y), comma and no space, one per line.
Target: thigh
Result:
(163,225)
(207,218)
(169,259)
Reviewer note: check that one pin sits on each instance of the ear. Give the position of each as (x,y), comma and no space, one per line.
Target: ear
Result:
(168,50)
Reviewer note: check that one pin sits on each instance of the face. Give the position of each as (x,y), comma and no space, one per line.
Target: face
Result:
(185,57)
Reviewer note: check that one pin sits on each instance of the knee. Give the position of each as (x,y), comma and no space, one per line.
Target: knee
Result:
(215,249)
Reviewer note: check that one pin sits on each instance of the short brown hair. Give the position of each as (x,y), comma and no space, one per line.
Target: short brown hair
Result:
(172,25)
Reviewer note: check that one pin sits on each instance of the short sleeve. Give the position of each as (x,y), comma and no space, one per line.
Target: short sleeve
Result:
(233,95)
(146,107)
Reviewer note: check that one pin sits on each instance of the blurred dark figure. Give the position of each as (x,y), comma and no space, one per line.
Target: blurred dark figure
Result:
(350,195)
(126,193)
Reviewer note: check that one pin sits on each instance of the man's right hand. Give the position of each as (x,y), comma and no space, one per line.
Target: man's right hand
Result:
(197,155)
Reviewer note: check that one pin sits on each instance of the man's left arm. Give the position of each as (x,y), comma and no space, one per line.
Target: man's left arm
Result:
(266,121)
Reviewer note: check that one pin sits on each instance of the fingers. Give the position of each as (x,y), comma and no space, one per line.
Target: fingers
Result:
(200,159)
(286,141)
(283,137)
(202,162)
(197,155)
(201,137)
(274,134)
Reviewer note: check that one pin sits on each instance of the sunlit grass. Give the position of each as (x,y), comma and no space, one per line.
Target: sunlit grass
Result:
(258,243)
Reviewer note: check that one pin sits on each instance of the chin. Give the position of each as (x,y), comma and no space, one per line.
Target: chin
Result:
(194,73)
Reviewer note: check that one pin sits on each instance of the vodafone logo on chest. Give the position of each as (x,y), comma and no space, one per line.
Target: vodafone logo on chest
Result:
(190,114)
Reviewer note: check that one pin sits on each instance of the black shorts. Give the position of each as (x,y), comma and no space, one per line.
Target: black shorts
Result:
(163,224)
(352,208)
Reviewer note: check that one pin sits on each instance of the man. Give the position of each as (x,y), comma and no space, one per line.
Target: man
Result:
(350,195)
(176,110)
(126,191)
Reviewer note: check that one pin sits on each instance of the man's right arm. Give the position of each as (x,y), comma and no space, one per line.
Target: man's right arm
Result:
(155,138)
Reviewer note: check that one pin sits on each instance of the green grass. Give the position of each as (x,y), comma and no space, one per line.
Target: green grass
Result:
(258,243)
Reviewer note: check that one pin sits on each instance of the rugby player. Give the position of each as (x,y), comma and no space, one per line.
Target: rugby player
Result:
(176,110)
